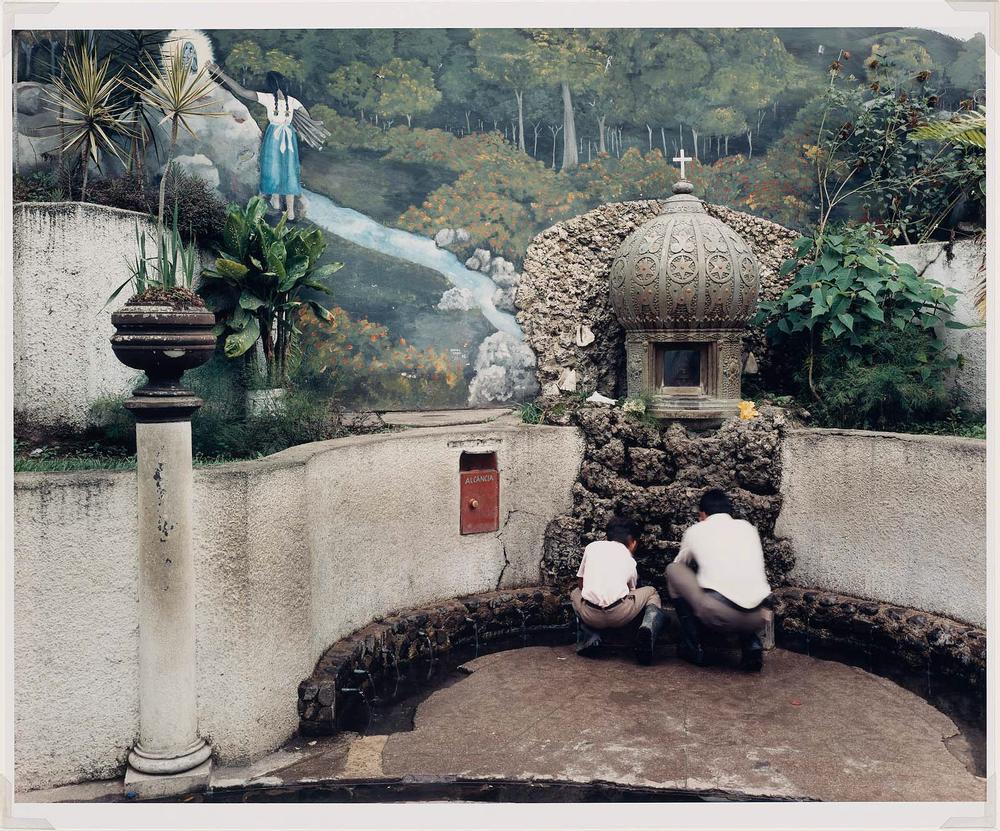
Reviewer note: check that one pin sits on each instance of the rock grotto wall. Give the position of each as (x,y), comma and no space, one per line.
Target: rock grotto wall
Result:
(565,285)
(655,476)
(881,637)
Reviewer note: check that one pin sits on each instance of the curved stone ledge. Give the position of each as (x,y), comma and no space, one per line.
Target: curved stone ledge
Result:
(399,654)
(881,636)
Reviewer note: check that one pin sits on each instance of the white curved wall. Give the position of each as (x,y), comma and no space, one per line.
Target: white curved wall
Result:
(291,553)
(888,516)
(298,550)
(957,266)
(68,259)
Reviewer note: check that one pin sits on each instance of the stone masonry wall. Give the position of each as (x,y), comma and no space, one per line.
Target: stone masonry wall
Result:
(655,476)
(413,650)
(403,652)
(565,284)
(881,635)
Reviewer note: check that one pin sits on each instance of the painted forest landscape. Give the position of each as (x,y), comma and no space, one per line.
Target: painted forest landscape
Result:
(447,150)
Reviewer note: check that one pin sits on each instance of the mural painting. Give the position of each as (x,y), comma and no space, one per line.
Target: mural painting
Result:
(429,158)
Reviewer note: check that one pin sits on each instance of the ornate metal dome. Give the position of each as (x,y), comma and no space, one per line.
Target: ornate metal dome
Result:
(684,269)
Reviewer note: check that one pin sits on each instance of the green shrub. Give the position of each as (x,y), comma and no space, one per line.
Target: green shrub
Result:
(894,378)
(201,213)
(869,163)
(260,280)
(41,186)
(220,429)
(855,330)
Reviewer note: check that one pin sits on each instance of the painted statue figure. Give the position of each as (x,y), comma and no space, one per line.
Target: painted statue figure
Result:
(287,120)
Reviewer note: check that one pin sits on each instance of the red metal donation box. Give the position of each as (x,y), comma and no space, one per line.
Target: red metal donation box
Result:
(479,493)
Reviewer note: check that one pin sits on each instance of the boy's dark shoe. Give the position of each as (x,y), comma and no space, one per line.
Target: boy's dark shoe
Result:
(689,643)
(752,657)
(649,629)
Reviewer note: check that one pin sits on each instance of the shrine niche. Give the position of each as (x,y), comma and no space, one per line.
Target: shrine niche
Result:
(684,285)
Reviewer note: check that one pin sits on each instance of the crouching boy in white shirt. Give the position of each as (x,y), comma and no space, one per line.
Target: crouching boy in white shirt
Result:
(730,585)
(607,596)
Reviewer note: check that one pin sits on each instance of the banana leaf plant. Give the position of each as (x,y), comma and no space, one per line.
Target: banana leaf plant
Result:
(261,278)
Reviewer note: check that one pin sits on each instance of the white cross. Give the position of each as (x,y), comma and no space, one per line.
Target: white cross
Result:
(682,158)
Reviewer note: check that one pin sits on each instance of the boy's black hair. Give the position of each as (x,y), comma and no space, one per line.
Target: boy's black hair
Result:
(715,501)
(622,530)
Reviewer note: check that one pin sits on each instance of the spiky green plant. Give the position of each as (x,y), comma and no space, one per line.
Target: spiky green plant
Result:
(172,265)
(180,95)
(129,51)
(88,112)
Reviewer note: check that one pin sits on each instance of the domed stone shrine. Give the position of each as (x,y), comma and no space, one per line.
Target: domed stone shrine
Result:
(684,285)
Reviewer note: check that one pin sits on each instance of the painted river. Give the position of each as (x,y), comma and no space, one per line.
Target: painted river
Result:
(364,231)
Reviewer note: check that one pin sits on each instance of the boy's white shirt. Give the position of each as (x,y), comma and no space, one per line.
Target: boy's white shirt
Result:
(608,571)
(729,557)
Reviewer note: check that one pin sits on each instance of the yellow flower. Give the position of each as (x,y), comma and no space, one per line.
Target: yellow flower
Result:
(748,410)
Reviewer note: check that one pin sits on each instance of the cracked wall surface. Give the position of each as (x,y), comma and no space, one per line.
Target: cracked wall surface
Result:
(292,553)
(959,266)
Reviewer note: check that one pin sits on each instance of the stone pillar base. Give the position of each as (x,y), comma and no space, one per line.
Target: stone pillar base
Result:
(139,785)
(163,765)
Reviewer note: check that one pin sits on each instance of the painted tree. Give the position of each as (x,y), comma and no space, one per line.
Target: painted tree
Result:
(354,87)
(724,122)
(610,93)
(287,64)
(406,89)
(752,71)
(245,58)
(508,57)
(668,69)
(568,58)
(458,83)
(429,46)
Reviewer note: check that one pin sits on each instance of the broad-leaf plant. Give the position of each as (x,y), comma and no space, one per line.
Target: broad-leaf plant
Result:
(262,276)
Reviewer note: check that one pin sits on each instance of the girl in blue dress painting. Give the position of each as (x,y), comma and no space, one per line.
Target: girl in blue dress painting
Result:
(287,121)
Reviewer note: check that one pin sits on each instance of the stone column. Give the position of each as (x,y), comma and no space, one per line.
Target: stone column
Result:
(168,726)
(163,340)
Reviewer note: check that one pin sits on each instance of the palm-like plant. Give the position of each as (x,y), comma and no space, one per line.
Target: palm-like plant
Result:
(966,129)
(130,50)
(88,112)
(180,95)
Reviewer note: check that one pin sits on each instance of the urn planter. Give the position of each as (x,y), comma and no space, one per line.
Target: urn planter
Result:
(164,334)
